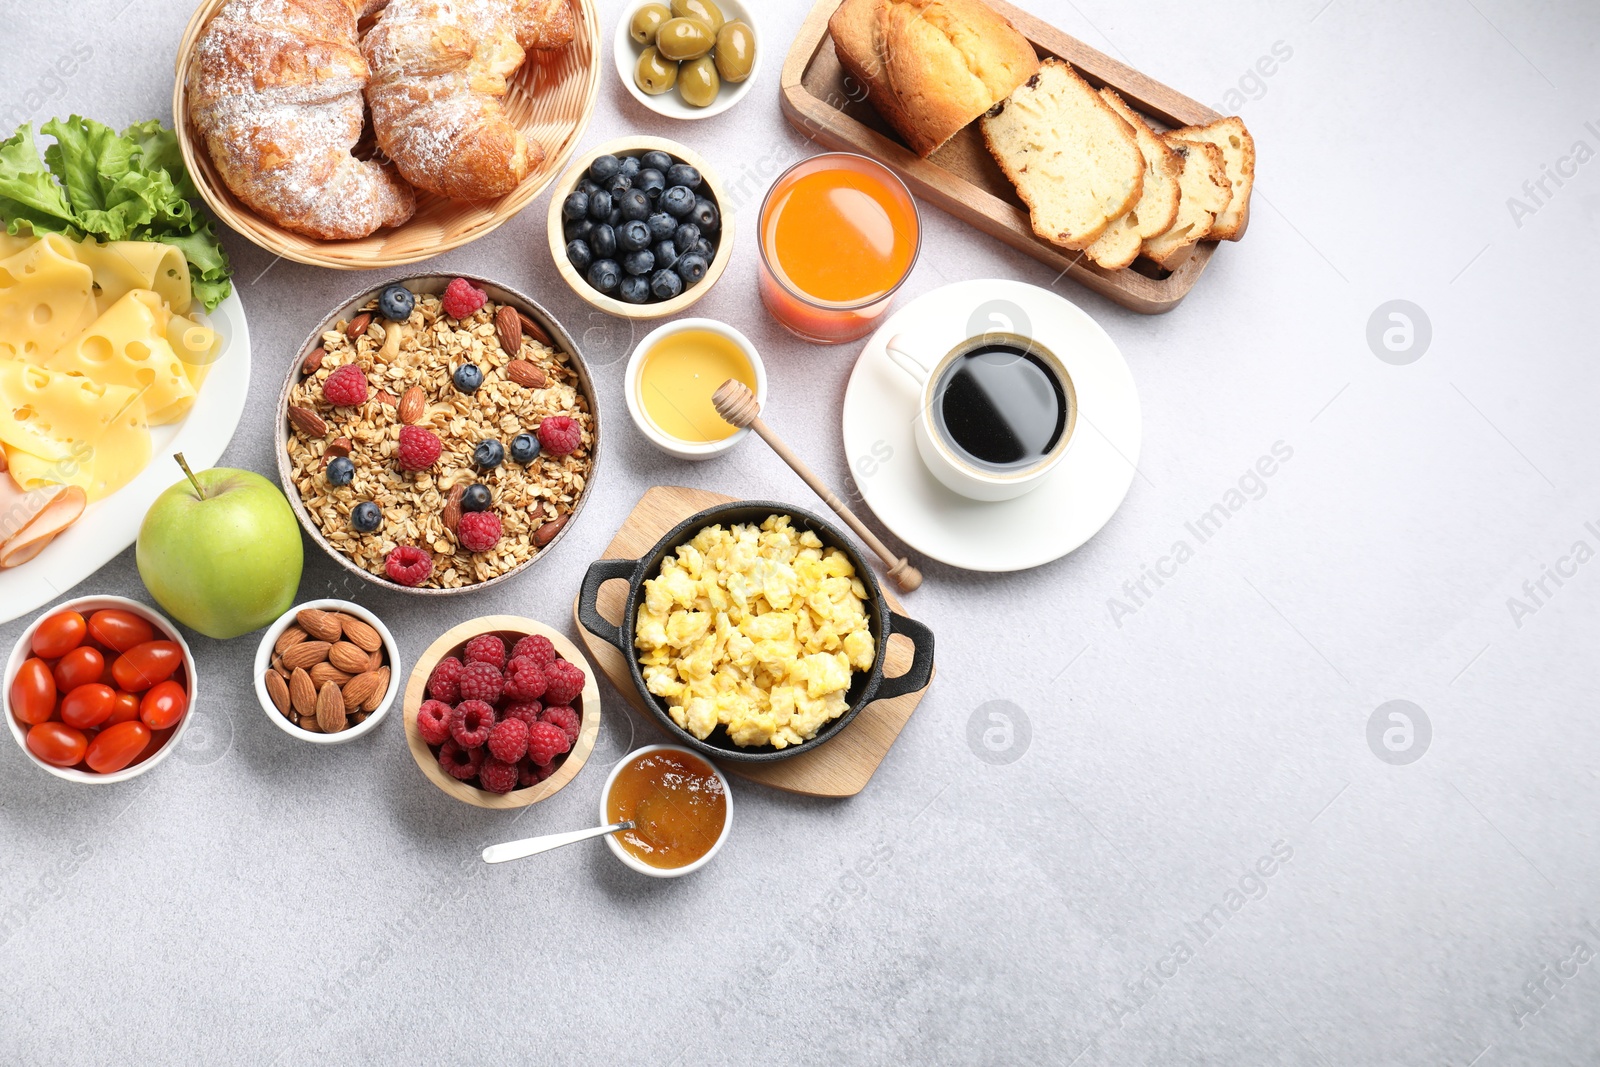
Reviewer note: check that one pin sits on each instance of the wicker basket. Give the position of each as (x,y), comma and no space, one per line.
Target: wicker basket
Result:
(552,98)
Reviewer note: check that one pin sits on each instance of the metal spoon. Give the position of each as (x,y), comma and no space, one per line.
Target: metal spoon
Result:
(532,846)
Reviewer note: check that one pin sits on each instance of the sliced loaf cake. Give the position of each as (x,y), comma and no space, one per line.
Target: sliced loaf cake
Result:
(1205,194)
(1239,157)
(1157,206)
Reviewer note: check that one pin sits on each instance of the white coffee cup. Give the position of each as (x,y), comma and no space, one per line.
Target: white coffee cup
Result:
(957,472)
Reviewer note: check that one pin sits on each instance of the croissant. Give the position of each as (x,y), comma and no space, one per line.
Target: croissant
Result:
(276,91)
(439,71)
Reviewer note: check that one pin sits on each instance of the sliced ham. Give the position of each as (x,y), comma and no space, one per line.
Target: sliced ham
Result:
(30,520)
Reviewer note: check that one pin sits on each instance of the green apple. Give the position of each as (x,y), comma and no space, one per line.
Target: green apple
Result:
(220,551)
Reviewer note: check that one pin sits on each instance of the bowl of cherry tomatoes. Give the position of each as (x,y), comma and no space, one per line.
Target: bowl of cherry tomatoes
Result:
(99,689)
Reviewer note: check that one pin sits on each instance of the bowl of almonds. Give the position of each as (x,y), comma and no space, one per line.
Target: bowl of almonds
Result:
(327,671)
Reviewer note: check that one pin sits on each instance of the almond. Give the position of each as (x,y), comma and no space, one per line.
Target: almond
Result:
(534,330)
(376,698)
(278,668)
(312,362)
(547,531)
(374,660)
(302,694)
(306,654)
(323,673)
(451,515)
(358,718)
(288,639)
(340,446)
(278,690)
(309,724)
(386,398)
(358,325)
(359,633)
(508,326)
(359,690)
(526,374)
(323,625)
(330,709)
(413,403)
(348,657)
(307,421)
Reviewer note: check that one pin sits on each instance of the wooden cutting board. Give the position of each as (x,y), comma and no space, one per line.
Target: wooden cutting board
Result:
(840,768)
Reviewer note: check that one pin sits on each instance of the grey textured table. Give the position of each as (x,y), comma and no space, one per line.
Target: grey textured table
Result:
(1194,855)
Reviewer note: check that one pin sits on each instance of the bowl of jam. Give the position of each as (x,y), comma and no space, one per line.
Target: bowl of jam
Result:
(679,805)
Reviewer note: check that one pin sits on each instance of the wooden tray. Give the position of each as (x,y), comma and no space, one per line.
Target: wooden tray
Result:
(840,768)
(821,101)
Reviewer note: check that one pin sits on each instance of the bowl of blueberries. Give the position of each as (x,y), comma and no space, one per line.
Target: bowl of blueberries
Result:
(637,230)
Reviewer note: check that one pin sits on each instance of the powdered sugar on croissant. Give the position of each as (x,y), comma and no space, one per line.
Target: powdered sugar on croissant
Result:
(276,90)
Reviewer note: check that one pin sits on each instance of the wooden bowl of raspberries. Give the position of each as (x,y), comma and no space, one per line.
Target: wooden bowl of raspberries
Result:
(502,712)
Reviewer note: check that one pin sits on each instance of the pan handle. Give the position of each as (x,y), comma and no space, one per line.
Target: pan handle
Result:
(921,669)
(600,572)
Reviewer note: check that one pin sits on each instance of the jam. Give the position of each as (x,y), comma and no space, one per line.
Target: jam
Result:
(677,805)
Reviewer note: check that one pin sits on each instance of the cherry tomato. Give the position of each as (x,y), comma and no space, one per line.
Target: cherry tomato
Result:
(145,664)
(56,743)
(117,746)
(88,705)
(33,692)
(59,634)
(79,667)
(125,708)
(119,630)
(163,705)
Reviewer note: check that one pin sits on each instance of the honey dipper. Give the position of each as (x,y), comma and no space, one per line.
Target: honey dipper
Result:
(738,406)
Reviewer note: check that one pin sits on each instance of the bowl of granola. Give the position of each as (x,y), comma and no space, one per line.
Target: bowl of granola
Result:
(437,434)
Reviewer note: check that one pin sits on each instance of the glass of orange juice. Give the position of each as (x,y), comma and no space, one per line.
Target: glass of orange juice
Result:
(839,234)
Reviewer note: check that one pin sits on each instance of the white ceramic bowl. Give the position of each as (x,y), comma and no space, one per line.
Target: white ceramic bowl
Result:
(635,862)
(264,663)
(672,446)
(86,606)
(671,103)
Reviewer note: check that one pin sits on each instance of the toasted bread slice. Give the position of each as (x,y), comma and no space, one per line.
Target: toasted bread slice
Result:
(1239,157)
(1073,159)
(1205,195)
(1157,207)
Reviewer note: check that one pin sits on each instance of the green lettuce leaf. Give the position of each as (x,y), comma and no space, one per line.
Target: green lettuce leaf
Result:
(28,192)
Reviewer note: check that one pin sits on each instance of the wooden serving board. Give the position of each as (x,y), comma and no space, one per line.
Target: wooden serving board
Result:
(823,102)
(840,768)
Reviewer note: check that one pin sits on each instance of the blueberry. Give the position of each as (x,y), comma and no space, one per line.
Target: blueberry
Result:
(705,215)
(395,303)
(635,205)
(661,225)
(633,236)
(524,448)
(683,174)
(603,241)
(580,230)
(666,253)
(489,454)
(678,201)
(575,206)
(604,167)
(588,187)
(468,378)
(475,497)
(640,263)
(635,290)
(666,284)
(650,182)
(604,275)
(365,517)
(341,471)
(691,268)
(617,186)
(686,235)
(629,167)
(615,219)
(600,206)
(579,255)
(704,249)
(655,161)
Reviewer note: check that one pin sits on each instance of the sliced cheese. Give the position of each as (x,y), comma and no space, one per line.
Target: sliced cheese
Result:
(129,346)
(46,299)
(122,266)
(196,344)
(62,429)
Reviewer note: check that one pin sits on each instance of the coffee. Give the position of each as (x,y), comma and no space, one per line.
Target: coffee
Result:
(1000,408)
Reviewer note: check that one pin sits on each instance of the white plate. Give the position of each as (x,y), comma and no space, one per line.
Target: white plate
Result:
(1068,507)
(108,526)
(671,104)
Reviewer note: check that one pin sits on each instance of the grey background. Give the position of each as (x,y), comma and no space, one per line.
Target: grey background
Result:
(257,901)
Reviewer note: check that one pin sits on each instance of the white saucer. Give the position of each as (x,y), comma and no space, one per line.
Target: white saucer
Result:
(1068,507)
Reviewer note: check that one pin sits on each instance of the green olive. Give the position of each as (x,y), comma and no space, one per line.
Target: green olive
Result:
(646,21)
(698,82)
(682,39)
(655,75)
(735,51)
(704,10)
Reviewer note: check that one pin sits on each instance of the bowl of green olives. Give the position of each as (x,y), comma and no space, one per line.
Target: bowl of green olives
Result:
(636,227)
(687,59)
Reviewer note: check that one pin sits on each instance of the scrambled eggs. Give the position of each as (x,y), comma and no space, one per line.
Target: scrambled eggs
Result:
(754,629)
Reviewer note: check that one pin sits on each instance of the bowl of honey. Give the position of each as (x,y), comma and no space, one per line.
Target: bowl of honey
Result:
(671,376)
(679,805)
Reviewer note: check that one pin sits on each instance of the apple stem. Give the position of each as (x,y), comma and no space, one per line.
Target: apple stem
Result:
(192,479)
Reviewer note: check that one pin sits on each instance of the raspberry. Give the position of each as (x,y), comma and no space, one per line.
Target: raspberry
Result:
(486,648)
(497,776)
(461,299)
(433,721)
(524,680)
(564,717)
(538,648)
(563,682)
(480,681)
(527,712)
(471,723)
(478,531)
(546,742)
(462,763)
(419,448)
(345,387)
(445,681)
(559,435)
(508,740)
(527,773)
(408,565)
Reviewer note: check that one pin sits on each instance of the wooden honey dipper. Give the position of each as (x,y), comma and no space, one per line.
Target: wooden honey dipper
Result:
(738,406)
